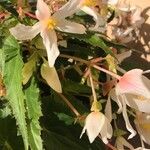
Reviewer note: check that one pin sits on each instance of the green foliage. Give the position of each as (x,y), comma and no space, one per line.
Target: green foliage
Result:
(33,113)
(13,82)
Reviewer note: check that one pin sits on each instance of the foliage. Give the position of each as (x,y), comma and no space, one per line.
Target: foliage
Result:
(44,107)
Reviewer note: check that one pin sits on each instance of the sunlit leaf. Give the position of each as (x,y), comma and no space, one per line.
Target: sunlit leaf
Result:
(51,77)
(13,83)
(33,114)
(111,63)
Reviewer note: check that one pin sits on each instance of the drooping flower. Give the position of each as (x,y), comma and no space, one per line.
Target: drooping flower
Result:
(47,25)
(133,89)
(142,123)
(96,123)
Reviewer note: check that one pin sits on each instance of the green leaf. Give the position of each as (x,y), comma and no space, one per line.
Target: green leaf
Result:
(13,83)
(95,41)
(75,87)
(66,118)
(51,77)
(34,113)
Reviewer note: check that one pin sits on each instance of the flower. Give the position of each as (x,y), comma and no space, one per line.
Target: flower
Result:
(133,89)
(142,123)
(96,123)
(47,25)
(88,6)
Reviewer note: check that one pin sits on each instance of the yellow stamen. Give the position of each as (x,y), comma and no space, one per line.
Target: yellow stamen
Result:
(90,3)
(50,23)
(146,126)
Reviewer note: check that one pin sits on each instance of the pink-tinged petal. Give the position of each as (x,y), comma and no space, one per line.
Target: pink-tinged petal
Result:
(98,19)
(134,82)
(42,11)
(125,116)
(93,125)
(139,103)
(22,32)
(71,27)
(50,42)
(71,7)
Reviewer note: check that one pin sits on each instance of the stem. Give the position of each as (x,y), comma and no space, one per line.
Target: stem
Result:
(111,146)
(107,72)
(69,105)
(75,58)
(93,89)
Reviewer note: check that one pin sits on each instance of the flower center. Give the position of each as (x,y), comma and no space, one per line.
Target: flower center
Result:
(50,23)
(146,126)
(90,3)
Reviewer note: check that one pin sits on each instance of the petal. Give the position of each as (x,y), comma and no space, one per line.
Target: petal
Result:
(114,97)
(135,83)
(22,32)
(71,27)
(93,124)
(112,2)
(51,77)
(142,123)
(125,116)
(138,102)
(50,42)
(42,11)
(98,19)
(123,56)
(68,9)
(108,109)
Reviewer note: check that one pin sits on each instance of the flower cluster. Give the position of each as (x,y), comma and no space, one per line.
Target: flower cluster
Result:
(131,90)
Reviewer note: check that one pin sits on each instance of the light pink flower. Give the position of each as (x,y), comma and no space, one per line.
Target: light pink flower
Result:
(47,25)
(96,123)
(133,89)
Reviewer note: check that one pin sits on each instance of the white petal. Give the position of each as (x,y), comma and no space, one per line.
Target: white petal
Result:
(104,132)
(42,11)
(50,42)
(68,9)
(71,27)
(98,19)
(112,2)
(128,125)
(138,102)
(93,125)
(108,109)
(22,32)
(115,97)
(123,56)
(51,77)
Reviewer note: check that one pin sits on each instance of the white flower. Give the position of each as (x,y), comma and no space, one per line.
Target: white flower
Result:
(142,123)
(96,123)
(133,89)
(47,25)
